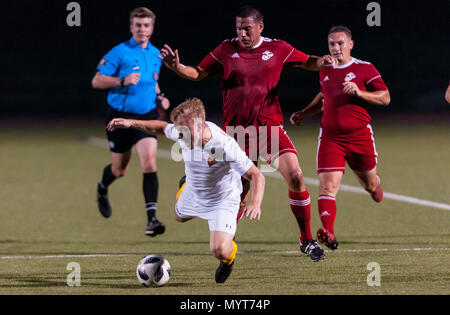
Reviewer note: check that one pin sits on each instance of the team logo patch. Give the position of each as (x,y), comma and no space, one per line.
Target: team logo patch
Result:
(267,55)
(155,76)
(211,161)
(102,62)
(350,76)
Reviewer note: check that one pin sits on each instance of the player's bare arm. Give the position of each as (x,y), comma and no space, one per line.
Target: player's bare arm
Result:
(380,98)
(147,126)
(172,61)
(447,95)
(315,107)
(253,210)
(162,100)
(101,81)
(315,63)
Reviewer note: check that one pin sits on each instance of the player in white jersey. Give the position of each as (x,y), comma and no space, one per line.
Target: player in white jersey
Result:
(214,164)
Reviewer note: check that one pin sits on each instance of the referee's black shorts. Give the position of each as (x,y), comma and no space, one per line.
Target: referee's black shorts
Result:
(122,140)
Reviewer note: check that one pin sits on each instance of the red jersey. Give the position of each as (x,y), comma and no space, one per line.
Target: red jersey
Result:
(249,79)
(344,113)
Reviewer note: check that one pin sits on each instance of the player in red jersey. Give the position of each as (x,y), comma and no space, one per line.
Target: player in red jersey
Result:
(347,91)
(250,67)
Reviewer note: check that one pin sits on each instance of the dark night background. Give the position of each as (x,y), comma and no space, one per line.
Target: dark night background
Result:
(48,66)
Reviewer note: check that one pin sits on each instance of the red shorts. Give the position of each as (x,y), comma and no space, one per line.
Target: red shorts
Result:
(357,148)
(268,142)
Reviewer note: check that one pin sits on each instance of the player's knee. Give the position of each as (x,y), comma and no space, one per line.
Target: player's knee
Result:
(329,190)
(372,187)
(219,251)
(179,219)
(119,172)
(149,166)
(295,181)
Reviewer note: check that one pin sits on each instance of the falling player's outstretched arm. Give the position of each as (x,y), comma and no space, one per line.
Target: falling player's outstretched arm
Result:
(253,210)
(315,107)
(172,60)
(147,126)
(380,97)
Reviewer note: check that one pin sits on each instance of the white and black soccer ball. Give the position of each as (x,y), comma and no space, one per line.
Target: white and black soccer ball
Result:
(153,271)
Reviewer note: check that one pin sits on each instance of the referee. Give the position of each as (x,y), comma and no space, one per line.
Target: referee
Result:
(131,71)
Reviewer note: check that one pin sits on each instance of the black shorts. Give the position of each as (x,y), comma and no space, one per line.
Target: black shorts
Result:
(122,140)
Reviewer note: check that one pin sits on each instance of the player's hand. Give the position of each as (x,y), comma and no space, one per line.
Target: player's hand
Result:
(328,60)
(117,123)
(297,118)
(163,102)
(170,58)
(252,212)
(132,79)
(351,88)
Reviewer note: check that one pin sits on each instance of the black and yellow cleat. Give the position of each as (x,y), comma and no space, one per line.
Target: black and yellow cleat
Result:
(223,272)
(181,186)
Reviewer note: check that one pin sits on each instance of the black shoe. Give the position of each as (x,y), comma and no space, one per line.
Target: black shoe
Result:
(312,249)
(223,272)
(182,181)
(103,203)
(154,228)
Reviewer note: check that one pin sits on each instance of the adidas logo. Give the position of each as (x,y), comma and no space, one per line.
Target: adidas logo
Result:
(235,55)
(324,213)
(326,79)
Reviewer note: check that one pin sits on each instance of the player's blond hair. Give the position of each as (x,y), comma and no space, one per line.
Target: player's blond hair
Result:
(142,12)
(190,108)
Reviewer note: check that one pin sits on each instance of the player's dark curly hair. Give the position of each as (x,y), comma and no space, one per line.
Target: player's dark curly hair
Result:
(250,11)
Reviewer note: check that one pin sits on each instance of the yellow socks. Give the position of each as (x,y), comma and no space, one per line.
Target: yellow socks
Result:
(232,256)
(180,191)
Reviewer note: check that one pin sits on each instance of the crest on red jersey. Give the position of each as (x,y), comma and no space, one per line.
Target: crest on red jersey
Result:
(267,55)
(350,76)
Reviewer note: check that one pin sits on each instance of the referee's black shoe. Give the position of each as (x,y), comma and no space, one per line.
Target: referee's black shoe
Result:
(103,203)
(155,227)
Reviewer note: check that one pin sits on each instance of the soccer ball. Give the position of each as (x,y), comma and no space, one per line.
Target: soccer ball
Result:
(153,271)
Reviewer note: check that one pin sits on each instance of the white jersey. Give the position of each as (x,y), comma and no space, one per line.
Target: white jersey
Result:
(213,173)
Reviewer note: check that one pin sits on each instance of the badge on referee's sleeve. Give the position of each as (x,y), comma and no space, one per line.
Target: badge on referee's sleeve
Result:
(102,62)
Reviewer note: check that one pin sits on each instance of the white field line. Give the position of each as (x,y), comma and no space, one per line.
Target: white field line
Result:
(343,251)
(165,154)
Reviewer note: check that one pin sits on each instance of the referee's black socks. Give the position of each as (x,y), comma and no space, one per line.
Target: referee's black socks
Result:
(107,178)
(150,187)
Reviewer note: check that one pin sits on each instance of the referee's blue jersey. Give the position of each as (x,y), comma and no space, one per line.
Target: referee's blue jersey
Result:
(124,59)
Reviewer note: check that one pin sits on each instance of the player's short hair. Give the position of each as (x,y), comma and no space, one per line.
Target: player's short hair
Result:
(250,11)
(192,107)
(340,28)
(142,12)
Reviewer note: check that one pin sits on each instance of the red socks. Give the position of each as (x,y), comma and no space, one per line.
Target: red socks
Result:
(327,211)
(300,203)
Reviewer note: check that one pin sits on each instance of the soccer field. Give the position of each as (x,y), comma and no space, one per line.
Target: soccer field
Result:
(49,218)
